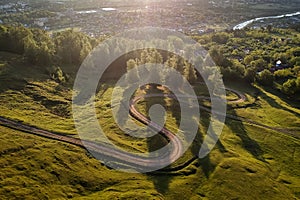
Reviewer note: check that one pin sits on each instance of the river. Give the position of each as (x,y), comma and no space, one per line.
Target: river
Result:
(246,23)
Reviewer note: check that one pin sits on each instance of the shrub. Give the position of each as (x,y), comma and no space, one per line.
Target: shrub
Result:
(265,78)
(283,73)
(291,86)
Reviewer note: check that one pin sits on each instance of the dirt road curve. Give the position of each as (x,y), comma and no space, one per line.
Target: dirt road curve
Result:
(128,158)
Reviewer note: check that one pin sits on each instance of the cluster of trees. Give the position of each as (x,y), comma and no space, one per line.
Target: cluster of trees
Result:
(289,79)
(291,86)
(251,55)
(26,17)
(246,55)
(53,52)
(154,56)
(44,48)
(72,47)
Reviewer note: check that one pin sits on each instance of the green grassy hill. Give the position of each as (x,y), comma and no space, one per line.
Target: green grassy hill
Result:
(249,162)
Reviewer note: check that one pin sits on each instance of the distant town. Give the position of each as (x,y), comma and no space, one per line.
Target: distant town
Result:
(102,18)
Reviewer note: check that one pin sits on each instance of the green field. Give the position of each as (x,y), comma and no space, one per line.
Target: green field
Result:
(249,162)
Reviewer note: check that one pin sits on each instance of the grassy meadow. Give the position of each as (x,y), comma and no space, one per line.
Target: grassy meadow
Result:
(248,162)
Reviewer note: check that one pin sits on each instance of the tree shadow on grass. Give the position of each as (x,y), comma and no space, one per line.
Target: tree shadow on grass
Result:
(205,163)
(274,104)
(161,183)
(16,71)
(248,144)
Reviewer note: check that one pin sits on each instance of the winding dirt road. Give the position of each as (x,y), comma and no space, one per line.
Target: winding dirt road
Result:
(134,160)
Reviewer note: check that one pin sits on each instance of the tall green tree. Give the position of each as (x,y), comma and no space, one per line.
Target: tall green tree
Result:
(265,78)
(189,72)
(133,76)
(72,47)
(291,86)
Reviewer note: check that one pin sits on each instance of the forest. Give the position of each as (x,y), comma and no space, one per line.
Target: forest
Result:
(267,56)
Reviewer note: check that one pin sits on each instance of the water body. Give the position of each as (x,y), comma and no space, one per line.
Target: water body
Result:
(246,23)
(87,12)
(95,11)
(108,9)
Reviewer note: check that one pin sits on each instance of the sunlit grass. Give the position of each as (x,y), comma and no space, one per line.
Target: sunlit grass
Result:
(248,162)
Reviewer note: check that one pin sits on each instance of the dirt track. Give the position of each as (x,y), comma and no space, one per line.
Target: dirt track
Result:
(131,159)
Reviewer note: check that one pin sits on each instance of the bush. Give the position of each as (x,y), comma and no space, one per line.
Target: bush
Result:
(250,74)
(220,38)
(58,75)
(259,64)
(291,86)
(283,73)
(265,78)
(296,70)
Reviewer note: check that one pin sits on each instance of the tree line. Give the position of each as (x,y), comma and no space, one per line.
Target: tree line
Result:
(267,56)
(155,57)
(46,48)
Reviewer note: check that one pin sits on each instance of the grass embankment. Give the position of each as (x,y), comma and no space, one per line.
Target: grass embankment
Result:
(248,162)
(32,167)
(27,94)
(37,168)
